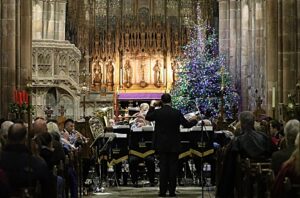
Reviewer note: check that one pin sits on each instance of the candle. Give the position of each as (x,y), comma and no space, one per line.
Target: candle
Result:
(20,98)
(273,97)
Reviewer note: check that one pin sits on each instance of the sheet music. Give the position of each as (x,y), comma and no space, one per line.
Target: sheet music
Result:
(121,135)
(121,127)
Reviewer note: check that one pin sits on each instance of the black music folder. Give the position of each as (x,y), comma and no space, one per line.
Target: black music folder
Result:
(201,141)
(140,141)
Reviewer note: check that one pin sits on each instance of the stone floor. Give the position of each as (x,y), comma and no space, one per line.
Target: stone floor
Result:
(191,192)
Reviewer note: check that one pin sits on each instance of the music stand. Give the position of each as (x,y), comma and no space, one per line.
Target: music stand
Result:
(101,142)
(119,151)
(202,145)
(185,152)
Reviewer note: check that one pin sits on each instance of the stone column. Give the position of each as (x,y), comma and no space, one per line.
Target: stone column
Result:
(245,55)
(259,49)
(25,43)
(223,28)
(37,19)
(298,43)
(288,36)
(61,19)
(271,52)
(232,35)
(8,55)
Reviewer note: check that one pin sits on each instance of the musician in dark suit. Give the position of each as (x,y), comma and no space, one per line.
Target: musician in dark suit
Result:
(167,141)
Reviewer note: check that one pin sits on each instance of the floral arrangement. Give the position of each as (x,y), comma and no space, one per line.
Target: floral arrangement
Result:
(21,105)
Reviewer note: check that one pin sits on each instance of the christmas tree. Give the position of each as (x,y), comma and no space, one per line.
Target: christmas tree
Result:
(203,81)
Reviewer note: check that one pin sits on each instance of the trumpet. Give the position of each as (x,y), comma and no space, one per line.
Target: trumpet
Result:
(233,125)
(81,137)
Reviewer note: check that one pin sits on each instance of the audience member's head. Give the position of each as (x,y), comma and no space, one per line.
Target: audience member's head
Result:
(111,122)
(69,125)
(291,131)
(39,126)
(53,130)
(274,127)
(44,139)
(16,134)
(166,98)
(4,128)
(296,154)
(144,107)
(247,120)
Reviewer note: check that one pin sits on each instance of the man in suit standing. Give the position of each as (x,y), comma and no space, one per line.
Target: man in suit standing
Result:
(167,141)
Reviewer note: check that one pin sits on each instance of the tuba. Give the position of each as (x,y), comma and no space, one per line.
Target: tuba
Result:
(98,121)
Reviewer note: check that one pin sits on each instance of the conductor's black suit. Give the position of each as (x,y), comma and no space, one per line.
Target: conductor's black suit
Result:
(166,142)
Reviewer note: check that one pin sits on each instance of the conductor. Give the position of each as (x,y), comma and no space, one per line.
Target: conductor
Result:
(166,141)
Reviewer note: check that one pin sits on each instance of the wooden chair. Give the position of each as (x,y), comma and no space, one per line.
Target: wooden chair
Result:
(291,190)
(254,178)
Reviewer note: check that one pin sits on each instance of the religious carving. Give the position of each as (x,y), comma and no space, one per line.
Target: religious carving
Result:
(110,76)
(143,37)
(48,112)
(127,74)
(157,74)
(174,67)
(259,111)
(143,83)
(96,75)
(61,119)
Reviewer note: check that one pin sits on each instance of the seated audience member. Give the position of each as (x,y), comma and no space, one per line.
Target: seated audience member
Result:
(291,170)
(39,126)
(276,132)
(58,153)
(252,144)
(23,170)
(249,144)
(3,132)
(291,130)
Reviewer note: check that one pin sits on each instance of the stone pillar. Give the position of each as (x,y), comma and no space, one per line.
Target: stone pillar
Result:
(271,52)
(232,36)
(245,62)
(37,19)
(8,55)
(259,49)
(25,43)
(288,36)
(224,28)
(60,19)
(15,49)
(298,43)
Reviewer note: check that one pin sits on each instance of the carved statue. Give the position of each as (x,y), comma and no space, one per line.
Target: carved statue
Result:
(127,74)
(176,43)
(174,66)
(157,73)
(97,74)
(143,71)
(143,36)
(158,41)
(126,41)
(109,43)
(110,75)
(158,37)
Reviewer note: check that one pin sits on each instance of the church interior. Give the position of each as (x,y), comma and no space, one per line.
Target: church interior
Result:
(89,71)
